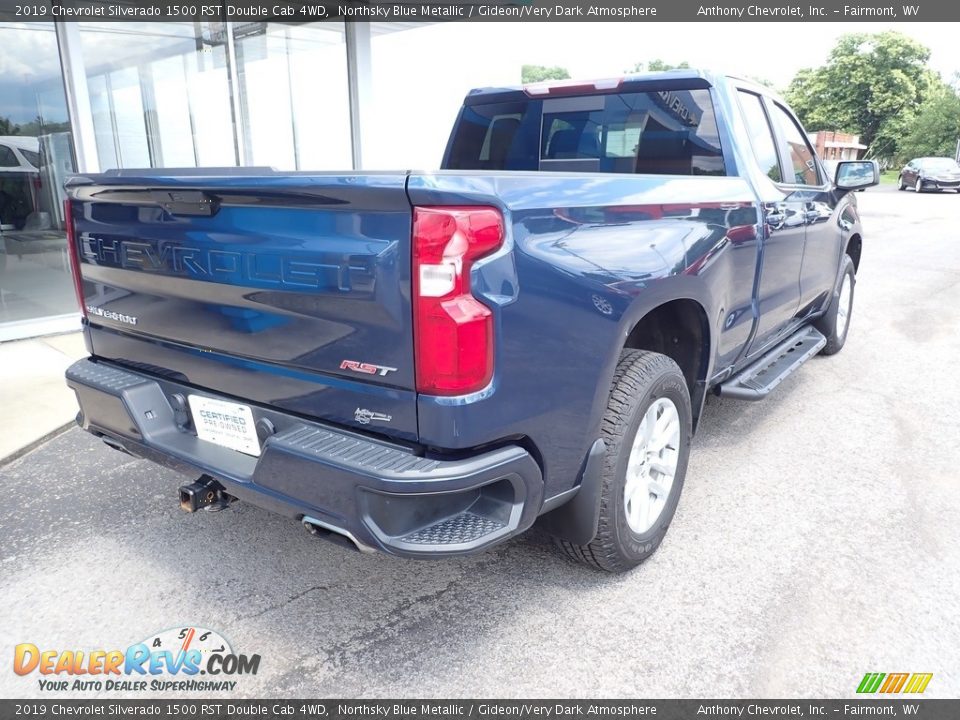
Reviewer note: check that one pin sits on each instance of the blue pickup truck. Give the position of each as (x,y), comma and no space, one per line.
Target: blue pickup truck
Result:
(428,363)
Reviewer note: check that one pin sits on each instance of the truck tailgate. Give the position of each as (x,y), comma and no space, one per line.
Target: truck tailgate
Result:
(285,290)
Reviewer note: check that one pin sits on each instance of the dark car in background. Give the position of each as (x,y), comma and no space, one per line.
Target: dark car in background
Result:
(930,173)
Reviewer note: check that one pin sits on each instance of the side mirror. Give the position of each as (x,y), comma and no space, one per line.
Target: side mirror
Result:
(856,174)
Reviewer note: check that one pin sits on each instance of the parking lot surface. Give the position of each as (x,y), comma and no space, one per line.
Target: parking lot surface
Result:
(816,540)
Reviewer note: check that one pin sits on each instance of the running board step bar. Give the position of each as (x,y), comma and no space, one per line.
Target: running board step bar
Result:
(756,381)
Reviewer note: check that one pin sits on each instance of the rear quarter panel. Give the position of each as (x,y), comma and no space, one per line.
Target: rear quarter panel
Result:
(586,257)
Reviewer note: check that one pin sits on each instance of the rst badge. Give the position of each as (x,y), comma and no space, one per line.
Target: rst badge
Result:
(366,368)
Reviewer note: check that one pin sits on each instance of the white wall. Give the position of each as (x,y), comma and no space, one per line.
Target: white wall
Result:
(420,78)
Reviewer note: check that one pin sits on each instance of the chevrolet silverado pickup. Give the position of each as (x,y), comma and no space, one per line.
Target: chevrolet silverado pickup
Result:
(428,363)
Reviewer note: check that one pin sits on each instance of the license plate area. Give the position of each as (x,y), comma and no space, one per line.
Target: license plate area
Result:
(225,423)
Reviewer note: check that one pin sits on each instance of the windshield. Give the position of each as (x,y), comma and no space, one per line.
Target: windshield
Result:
(939,164)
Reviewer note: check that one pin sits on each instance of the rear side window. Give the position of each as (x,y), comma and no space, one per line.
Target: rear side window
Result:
(664,133)
(761,137)
(802,159)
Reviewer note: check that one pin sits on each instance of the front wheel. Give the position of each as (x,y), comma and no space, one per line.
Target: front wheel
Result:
(835,323)
(647,430)
(901,185)
(918,186)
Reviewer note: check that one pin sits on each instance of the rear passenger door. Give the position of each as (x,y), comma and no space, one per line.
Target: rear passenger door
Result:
(778,289)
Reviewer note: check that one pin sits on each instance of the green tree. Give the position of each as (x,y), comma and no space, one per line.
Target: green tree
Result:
(8,127)
(38,126)
(656,65)
(539,73)
(935,128)
(870,85)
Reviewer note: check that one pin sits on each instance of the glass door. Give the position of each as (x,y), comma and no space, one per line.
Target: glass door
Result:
(36,155)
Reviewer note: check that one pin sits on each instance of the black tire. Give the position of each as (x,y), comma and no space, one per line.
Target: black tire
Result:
(828,324)
(900,184)
(918,186)
(641,378)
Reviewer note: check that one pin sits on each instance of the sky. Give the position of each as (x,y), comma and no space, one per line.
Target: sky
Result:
(420,75)
(428,70)
(773,50)
(28,59)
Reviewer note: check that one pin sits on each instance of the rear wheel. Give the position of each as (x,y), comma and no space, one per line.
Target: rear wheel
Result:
(647,430)
(835,323)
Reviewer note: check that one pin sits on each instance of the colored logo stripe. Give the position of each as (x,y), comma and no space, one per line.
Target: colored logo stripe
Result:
(918,683)
(894,683)
(871,682)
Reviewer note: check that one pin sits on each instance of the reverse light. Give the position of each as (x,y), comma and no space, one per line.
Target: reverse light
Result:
(453,331)
(73,251)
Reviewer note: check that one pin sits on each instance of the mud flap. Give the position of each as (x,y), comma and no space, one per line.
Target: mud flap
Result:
(576,521)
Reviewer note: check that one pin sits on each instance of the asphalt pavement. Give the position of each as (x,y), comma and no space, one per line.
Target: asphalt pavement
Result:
(816,540)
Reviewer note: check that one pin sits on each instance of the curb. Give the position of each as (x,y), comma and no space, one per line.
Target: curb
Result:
(29,447)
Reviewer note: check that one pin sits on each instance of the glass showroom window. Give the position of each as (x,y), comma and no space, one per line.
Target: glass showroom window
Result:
(293,95)
(35,156)
(160,94)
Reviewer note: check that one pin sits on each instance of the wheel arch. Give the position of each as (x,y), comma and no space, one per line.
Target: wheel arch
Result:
(676,324)
(678,329)
(641,329)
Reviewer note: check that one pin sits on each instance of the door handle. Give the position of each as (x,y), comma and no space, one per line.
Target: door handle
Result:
(775,219)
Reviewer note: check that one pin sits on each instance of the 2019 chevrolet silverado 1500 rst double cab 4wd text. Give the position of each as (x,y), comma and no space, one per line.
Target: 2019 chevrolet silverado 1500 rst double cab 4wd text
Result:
(426,363)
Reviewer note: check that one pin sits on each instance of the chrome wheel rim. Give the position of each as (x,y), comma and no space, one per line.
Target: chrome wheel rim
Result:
(843,306)
(652,465)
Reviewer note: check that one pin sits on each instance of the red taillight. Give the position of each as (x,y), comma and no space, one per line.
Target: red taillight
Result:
(73,251)
(453,330)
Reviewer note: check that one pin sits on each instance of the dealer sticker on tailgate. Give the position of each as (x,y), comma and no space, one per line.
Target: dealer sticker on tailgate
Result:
(225,423)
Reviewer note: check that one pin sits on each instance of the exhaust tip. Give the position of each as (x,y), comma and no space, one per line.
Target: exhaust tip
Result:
(326,531)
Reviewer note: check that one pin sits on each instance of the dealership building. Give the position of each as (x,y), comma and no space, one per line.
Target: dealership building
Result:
(91,96)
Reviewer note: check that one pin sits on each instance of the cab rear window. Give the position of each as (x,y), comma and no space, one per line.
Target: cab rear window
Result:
(670,132)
